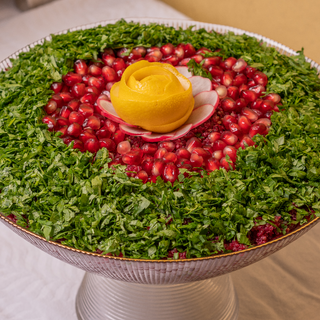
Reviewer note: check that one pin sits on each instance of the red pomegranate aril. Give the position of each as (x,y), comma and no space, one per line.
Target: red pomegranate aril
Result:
(108,144)
(227,120)
(78,90)
(201,152)
(227,164)
(86,110)
(208,148)
(239,79)
(118,136)
(103,133)
(92,122)
(108,59)
(240,104)
(109,74)
(158,167)
(149,148)
(74,104)
(123,147)
(276,109)
(251,83)
(50,107)
(239,66)
(147,165)
(221,91)
(85,79)
(139,51)
(265,121)
(95,71)
(66,96)
(109,85)
(250,114)
(97,83)
(71,79)
(218,154)
(170,157)
(170,172)
(76,117)
(179,52)
(259,89)
(274,97)
(228,63)
(246,142)
(93,90)
(231,152)
(229,138)
(233,92)
(89,98)
(65,88)
(266,105)
(168,145)
(63,130)
(183,153)
(118,64)
(142,175)
(235,129)
(211,61)
(260,78)
(268,114)
(92,145)
(184,163)
(193,143)
(62,122)
(227,79)
(123,53)
(258,128)
(197,58)
(249,71)
(215,71)
(256,104)
(74,130)
(50,121)
(189,50)
(214,136)
(184,62)
(212,164)
(77,144)
(133,157)
(67,139)
(167,49)
(154,56)
(159,154)
(228,104)
(203,50)
(219,145)
(109,51)
(172,59)
(243,87)
(56,87)
(244,124)
(87,134)
(196,160)
(248,95)
(57,98)
(132,57)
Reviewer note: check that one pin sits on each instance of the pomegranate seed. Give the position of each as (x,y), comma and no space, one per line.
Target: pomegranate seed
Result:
(77,144)
(240,104)
(139,51)
(246,142)
(142,175)
(227,120)
(167,49)
(258,89)
(108,144)
(65,89)
(248,95)
(111,126)
(74,130)
(256,104)
(221,91)
(109,74)
(172,59)
(258,128)
(249,72)
(86,110)
(184,62)
(214,136)
(233,92)
(183,153)
(159,154)
(149,148)
(95,71)
(87,134)
(244,124)
(189,50)
(50,107)
(274,97)
(92,90)
(92,122)
(109,86)
(71,79)
(96,82)
(201,152)
(228,63)
(179,52)
(227,79)
(57,98)
(168,145)
(158,167)
(196,160)
(243,87)
(228,104)
(118,136)
(208,148)
(211,61)
(212,164)
(197,58)
(216,71)
(92,145)
(276,109)
(147,164)
(184,163)
(266,105)
(239,66)
(154,56)
(133,157)
(227,164)
(50,121)
(268,114)
(78,90)
(231,152)
(123,147)
(63,130)
(218,154)
(170,157)
(203,50)
(193,143)
(108,59)
(67,139)
(56,87)
(239,79)
(170,172)
(74,104)
(90,98)
(229,138)
(235,129)
(265,121)
(109,51)
(219,145)
(76,117)
(103,133)
(118,64)
(250,114)
(61,121)
(251,83)
(260,78)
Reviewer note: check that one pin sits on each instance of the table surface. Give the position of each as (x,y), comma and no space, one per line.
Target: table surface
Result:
(36,286)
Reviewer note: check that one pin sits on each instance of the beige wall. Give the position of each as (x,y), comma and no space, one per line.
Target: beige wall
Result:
(294,23)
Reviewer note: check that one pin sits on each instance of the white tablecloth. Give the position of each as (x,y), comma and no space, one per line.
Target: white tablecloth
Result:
(35,286)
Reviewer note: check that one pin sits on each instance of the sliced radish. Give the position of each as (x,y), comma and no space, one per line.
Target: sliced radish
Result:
(133,131)
(200,84)
(180,132)
(206,97)
(201,114)
(184,71)
(155,137)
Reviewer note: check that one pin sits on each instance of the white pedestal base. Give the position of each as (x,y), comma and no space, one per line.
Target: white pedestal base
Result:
(101,298)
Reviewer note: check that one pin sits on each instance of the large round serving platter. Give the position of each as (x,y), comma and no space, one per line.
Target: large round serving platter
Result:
(158,289)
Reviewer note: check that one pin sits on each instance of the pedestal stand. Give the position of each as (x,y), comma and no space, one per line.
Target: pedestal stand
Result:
(101,298)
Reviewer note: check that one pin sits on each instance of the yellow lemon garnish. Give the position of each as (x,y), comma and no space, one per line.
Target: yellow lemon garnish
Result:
(153,96)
